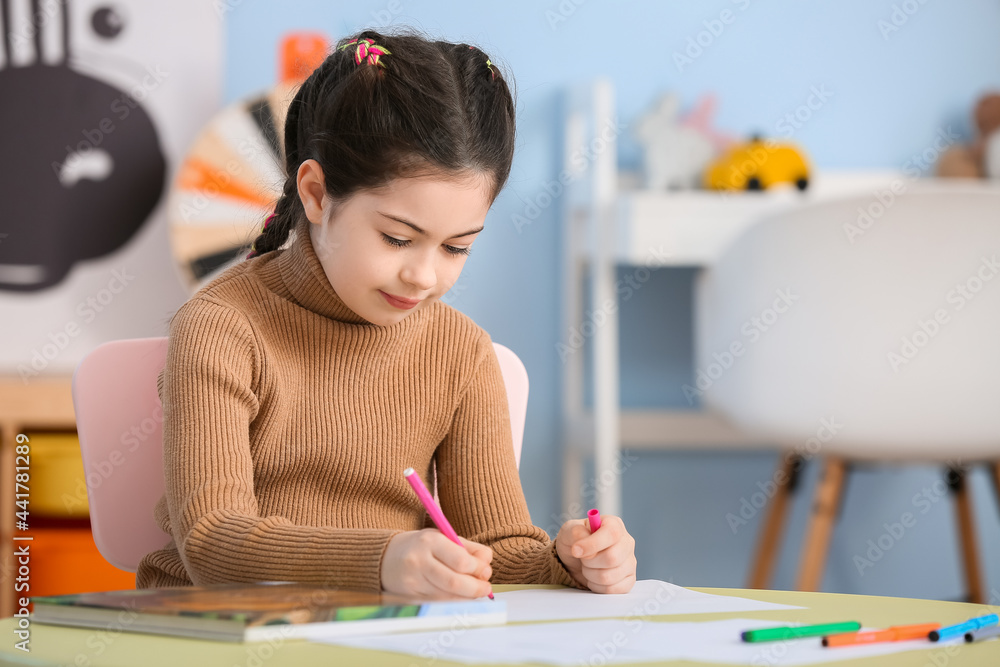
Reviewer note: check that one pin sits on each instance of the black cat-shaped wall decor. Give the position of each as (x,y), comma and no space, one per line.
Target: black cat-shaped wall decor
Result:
(81,166)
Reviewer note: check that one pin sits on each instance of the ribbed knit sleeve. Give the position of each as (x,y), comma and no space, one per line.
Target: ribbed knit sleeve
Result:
(209,401)
(479,487)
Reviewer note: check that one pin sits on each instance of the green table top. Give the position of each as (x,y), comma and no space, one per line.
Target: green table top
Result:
(52,645)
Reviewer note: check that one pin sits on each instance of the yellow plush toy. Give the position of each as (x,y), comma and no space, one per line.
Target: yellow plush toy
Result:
(757,165)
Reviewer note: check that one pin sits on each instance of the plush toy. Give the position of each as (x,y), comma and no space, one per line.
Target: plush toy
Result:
(981,159)
(678,147)
(758,164)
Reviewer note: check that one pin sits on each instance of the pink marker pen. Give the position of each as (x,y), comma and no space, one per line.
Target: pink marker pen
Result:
(437,516)
(595,519)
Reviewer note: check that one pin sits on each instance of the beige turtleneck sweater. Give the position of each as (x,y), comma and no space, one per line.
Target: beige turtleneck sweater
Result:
(288,422)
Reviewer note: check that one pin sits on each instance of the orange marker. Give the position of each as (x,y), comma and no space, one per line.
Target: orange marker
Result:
(894,634)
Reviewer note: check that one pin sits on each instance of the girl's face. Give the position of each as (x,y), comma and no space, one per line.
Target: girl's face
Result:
(408,240)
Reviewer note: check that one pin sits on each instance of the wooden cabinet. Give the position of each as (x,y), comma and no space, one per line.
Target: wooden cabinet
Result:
(63,557)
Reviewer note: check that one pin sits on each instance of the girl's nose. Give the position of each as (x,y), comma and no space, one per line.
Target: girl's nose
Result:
(420,273)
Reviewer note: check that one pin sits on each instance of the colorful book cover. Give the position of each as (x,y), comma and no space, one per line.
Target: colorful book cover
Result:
(255,612)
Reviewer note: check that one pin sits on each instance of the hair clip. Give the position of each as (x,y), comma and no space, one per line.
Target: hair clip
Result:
(267,220)
(367,48)
(253,247)
(489,66)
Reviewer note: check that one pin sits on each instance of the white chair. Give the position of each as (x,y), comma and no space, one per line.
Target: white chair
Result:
(881,313)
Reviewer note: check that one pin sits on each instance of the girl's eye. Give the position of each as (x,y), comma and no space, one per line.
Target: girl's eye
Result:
(402,243)
(399,243)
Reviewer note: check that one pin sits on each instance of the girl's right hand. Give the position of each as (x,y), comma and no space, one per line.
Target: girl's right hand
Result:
(425,563)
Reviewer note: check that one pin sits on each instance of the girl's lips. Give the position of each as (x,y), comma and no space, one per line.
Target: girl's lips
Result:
(398,302)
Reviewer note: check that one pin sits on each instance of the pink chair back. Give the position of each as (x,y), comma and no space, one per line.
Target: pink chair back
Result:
(119,422)
(515,377)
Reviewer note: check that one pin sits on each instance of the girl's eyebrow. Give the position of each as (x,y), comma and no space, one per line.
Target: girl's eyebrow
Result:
(421,231)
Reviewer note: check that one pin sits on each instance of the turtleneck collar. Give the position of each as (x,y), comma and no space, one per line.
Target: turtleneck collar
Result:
(303,275)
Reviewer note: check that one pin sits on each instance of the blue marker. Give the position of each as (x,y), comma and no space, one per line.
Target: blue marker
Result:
(959,630)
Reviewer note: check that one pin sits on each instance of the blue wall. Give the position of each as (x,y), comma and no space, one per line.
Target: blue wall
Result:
(890,90)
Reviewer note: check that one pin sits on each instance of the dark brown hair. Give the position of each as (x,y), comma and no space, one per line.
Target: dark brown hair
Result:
(428,106)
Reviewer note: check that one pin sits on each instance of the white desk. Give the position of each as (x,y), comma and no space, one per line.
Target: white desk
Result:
(692,228)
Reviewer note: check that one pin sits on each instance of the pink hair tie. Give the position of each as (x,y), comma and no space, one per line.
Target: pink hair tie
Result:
(253,248)
(366,48)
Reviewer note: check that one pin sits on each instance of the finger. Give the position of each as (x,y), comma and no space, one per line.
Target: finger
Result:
(612,530)
(572,533)
(579,529)
(456,583)
(613,556)
(623,586)
(480,551)
(483,554)
(609,576)
(569,534)
(458,558)
(427,589)
(574,528)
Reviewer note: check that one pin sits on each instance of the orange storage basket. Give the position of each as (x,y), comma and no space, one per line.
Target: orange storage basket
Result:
(66,560)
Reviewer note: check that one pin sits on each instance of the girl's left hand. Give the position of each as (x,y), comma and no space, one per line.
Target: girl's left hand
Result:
(603,561)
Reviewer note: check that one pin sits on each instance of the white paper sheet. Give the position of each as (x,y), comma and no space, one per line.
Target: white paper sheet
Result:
(649,597)
(606,642)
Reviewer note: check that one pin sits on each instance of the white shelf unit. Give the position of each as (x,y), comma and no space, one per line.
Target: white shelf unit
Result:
(608,222)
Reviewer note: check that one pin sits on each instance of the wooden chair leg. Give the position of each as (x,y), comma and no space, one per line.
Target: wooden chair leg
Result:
(824,513)
(958,482)
(769,542)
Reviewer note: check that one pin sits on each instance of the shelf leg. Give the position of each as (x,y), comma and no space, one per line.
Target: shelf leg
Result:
(572,481)
(604,312)
(994,468)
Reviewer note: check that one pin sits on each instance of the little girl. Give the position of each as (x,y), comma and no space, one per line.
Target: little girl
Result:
(300,383)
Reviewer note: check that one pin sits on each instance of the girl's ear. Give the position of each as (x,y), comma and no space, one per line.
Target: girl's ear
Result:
(312,190)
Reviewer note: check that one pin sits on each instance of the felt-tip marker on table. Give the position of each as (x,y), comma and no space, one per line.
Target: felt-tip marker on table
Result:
(437,516)
(960,629)
(982,634)
(897,633)
(797,631)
